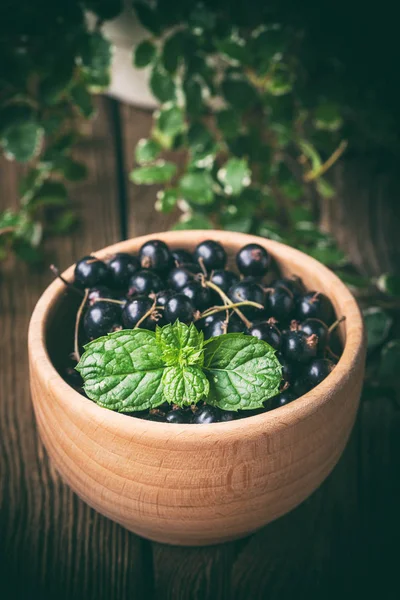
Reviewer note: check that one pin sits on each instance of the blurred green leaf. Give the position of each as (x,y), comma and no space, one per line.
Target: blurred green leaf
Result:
(146,151)
(324,188)
(26,252)
(173,51)
(279,81)
(161,85)
(327,117)
(267,45)
(271,230)
(54,86)
(199,138)
(144,54)
(170,120)
(22,140)
(82,100)
(167,199)
(8,218)
(148,17)
(51,193)
(193,97)
(390,362)
(378,324)
(234,176)
(161,172)
(228,122)
(193,221)
(71,169)
(63,223)
(96,58)
(389,284)
(239,93)
(234,47)
(197,187)
(328,255)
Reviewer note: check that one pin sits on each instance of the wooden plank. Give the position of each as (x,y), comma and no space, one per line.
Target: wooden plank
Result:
(309,552)
(51,544)
(142,218)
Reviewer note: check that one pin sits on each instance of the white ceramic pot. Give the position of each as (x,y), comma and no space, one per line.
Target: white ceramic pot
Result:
(128,84)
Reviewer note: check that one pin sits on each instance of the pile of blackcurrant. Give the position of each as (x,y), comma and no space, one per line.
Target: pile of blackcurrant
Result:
(161,285)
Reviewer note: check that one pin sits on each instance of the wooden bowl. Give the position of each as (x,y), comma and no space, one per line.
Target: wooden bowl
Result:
(195,484)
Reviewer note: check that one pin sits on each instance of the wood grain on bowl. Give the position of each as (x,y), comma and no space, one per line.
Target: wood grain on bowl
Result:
(188,484)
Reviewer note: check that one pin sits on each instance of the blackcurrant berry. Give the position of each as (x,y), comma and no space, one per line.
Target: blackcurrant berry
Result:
(179,307)
(181,276)
(182,257)
(294,284)
(285,397)
(315,305)
(144,283)
(198,294)
(289,370)
(280,304)
(227,415)
(73,378)
(247,291)
(224,279)
(318,370)
(206,414)
(253,260)
(318,328)
(99,291)
(162,298)
(216,325)
(122,266)
(267,332)
(300,386)
(212,255)
(155,255)
(178,416)
(297,346)
(135,310)
(90,271)
(156,416)
(100,319)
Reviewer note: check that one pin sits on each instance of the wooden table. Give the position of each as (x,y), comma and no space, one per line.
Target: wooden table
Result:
(342,542)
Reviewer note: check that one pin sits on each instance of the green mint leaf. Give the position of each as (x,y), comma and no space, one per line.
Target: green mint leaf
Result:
(243,371)
(123,371)
(181,345)
(144,54)
(184,385)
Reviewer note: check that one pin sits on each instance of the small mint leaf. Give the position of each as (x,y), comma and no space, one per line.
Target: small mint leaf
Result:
(184,385)
(243,371)
(181,345)
(123,371)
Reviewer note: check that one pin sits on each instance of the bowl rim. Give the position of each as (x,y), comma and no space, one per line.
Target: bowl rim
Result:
(269,422)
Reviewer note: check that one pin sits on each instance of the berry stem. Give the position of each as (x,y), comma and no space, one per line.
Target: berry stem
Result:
(146,314)
(77,355)
(335,324)
(69,285)
(112,300)
(233,305)
(227,301)
(203,268)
